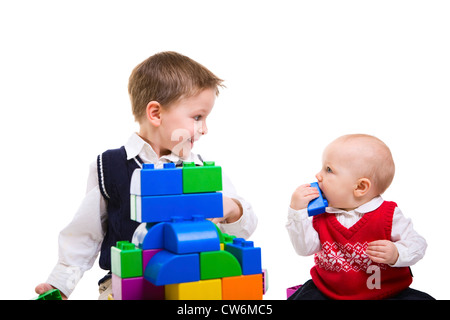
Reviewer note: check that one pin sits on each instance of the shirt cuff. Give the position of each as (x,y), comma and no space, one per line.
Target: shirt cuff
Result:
(297,215)
(402,252)
(244,227)
(65,278)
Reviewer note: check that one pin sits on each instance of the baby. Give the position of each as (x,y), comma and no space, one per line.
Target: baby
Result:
(363,245)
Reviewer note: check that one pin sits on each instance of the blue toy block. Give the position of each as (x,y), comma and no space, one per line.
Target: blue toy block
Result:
(197,235)
(149,181)
(248,256)
(149,236)
(167,268)
(163,208)
(318,205)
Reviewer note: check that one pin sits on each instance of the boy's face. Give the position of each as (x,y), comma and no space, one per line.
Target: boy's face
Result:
(339,176)
(184,122)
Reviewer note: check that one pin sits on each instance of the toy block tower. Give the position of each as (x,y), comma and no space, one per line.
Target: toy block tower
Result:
(176,253)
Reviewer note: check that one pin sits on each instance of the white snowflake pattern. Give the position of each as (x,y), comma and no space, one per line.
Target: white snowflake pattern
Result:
(336,257)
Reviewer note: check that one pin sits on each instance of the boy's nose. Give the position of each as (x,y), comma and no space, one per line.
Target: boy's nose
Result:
(203,128)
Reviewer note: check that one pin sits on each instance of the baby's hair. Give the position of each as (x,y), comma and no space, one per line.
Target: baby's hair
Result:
(379,164)
(167,77)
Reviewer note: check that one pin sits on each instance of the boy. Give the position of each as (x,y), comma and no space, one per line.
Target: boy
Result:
(363,245)
(171,97)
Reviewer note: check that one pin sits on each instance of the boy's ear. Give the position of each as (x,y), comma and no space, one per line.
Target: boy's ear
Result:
(362,187)
(153,113)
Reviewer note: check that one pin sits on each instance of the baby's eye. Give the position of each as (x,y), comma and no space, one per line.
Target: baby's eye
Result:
(197,118)
(329,170)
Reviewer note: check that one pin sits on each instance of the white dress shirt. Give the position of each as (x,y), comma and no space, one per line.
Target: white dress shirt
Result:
(305,239)
(80,241)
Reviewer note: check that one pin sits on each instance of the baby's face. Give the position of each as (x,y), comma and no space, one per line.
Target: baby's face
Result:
(339,175)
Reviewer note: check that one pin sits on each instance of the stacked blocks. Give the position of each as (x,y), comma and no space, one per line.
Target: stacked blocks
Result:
(176,254)
(177,195)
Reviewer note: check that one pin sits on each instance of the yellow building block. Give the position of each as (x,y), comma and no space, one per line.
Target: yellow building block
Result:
(198,290)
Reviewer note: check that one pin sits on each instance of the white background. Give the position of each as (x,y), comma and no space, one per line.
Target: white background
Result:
(298,75)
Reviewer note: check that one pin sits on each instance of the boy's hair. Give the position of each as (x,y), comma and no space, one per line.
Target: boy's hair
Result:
(167,77)
(378,163)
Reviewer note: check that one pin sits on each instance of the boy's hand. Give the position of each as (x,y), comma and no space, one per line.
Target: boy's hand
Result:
(302,196)
(382,251)
(44,287)
(232,211)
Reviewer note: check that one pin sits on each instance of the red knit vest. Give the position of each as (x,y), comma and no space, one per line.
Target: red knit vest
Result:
(342,268)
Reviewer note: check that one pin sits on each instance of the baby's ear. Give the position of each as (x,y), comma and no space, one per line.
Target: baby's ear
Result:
(363,187)
(153,113)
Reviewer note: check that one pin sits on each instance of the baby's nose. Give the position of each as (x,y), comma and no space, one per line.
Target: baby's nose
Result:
(319,177)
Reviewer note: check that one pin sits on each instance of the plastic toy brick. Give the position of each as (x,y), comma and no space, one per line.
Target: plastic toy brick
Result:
(247,287)
(147,255)
(136,289)
(265,275)
(149,181)
(149,236)
(192,236)
(248,256)
(126,260)
(163,208)
(199,290)
(318,205)
(53,294)
(133,209)
(224,237)
(206,178)
(218,264)
(167,268)
(290,291)
(127,289)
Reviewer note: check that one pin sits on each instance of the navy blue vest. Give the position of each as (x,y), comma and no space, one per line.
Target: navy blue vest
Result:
(114,177)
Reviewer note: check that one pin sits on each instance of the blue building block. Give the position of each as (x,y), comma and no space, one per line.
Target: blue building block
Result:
(149,236)
(167,268)
(149,181)
(318,205)
(163,208)
(197,235)
(248,256)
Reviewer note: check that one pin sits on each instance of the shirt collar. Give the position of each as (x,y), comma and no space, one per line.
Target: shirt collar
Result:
(136,146)
(370,206)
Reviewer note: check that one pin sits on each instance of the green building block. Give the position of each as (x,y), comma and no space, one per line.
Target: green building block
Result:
(206,178)
(133,212)
(126,260)
(224,237)
(53,294)
(218,264)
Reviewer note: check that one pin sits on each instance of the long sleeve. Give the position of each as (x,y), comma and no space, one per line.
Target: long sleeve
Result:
(410,245)
(79,242)
(246,225)
(303,236)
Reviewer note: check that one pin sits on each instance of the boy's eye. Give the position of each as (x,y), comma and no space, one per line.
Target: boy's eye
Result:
(197,118)
(329,170)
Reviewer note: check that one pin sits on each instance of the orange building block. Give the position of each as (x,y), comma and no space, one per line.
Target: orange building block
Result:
(249,287)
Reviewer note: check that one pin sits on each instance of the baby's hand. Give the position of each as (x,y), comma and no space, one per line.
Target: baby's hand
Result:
(302,196)
(382,251)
